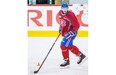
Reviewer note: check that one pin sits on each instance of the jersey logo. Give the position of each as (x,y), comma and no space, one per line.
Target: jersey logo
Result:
(62,22)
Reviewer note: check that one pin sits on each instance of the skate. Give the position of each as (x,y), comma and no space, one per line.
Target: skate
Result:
(65,64)
(81,57)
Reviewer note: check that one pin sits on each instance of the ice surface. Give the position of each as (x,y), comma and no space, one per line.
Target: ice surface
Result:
(39,47)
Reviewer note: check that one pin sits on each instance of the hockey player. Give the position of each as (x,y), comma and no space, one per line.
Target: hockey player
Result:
(69,27)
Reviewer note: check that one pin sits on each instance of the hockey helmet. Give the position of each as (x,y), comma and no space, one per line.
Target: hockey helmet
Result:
(64,5)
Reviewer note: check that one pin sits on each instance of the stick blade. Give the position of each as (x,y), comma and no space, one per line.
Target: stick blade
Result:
(35,72)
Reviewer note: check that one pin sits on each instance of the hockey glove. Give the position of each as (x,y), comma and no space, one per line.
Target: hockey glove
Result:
(70,34)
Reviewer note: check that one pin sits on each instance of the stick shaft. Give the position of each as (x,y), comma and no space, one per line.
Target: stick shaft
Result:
(48,54)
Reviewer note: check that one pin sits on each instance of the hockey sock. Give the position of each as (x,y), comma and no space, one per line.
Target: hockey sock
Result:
(65,52)
(74,50)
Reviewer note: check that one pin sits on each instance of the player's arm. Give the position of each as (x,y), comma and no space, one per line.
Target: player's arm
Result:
(74,22)
(58,14)
(75,25)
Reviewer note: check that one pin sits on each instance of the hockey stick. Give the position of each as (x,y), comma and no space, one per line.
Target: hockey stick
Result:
(47,55)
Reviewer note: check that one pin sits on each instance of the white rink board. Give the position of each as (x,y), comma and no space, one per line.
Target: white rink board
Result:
(43,13)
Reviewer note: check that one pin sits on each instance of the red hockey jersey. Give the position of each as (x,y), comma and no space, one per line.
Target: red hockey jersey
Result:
(68,22)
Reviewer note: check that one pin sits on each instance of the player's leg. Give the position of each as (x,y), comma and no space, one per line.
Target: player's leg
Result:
(65,43)
(75,50)
(65,52)
(72,48)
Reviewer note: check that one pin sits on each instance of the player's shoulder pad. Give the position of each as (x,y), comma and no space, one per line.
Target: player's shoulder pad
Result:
(71,13)
(59,11)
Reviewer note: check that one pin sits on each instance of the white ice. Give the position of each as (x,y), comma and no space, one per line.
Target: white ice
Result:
(39,47)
